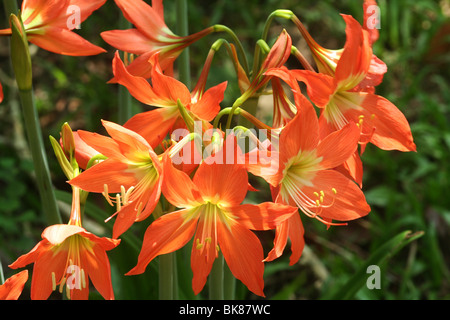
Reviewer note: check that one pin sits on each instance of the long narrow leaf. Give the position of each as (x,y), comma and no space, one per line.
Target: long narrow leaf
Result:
(380,256)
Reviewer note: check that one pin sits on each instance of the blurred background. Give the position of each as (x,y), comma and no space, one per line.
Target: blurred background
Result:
(406,191)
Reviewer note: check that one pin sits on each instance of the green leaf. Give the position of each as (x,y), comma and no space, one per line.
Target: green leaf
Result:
(380,256)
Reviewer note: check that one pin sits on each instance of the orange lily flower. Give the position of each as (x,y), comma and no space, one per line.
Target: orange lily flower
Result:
(277,57)
(1,93)
(13,286)
(132,171)
(212,213)
(327,59)
(49,24)
(83,152)
(69,256)
(149,36)
(305,177)
(370,27)
(171,99)
(382,123)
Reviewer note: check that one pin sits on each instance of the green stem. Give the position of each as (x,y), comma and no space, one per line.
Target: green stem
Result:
(222,28)
(183,30)
(229,282)
(124,99)
(166,276)
(10,7)
(216,279)
(2,276)
(41,168)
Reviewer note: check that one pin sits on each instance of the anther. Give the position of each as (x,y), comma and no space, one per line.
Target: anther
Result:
(198,244)
(68,292)
(139,209)
(83,279)
(127,195)
(53,281)
(61,285)
(105,194)
(122,192)
(118,204)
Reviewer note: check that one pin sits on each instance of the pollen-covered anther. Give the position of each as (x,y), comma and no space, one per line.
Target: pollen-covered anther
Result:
(320,203)
(366,128)
(120,199)
(360,121)
(198,245)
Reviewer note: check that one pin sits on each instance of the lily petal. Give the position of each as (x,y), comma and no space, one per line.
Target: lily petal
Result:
(63,41)
(264,216)
(166,234)
(243,254)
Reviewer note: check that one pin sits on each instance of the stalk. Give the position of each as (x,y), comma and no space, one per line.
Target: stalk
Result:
(124,99)
(216,279)
(32,126)
(166,276)
(183,30)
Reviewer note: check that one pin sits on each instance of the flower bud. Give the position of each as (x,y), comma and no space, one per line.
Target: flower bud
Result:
(20,54)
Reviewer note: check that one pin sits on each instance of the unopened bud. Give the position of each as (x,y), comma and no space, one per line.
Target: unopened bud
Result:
(20,54)
(68,142)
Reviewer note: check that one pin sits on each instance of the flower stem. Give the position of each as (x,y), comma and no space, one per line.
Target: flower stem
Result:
(124,99)
(229,281)
(2,276)
(10,7)
(166,276)
(183,30)
(216,279)
(222,28)
(41,169)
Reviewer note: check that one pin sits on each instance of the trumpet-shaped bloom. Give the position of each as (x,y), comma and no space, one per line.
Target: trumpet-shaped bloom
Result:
(149,36)
(132,171)
(49,25)
(212,213)
(327,59)
(170,97)
(277,57)
(13,286)
(341,100)
(68,256)
(305,178)
(381,120)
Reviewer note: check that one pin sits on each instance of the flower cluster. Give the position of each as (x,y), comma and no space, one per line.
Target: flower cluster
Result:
(181,152)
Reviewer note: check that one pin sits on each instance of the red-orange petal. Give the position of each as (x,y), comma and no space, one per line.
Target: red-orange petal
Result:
(64,41)
(209,104)
(12,288)
(177,187)
(301,133)
(166,234)
(348,203)
(144,17)
(130,40)
(227,183)
(264,216)
(153,125)
(110,172)
(244,255)
(338,146)
(392,130)
(137,86)
(355,60)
